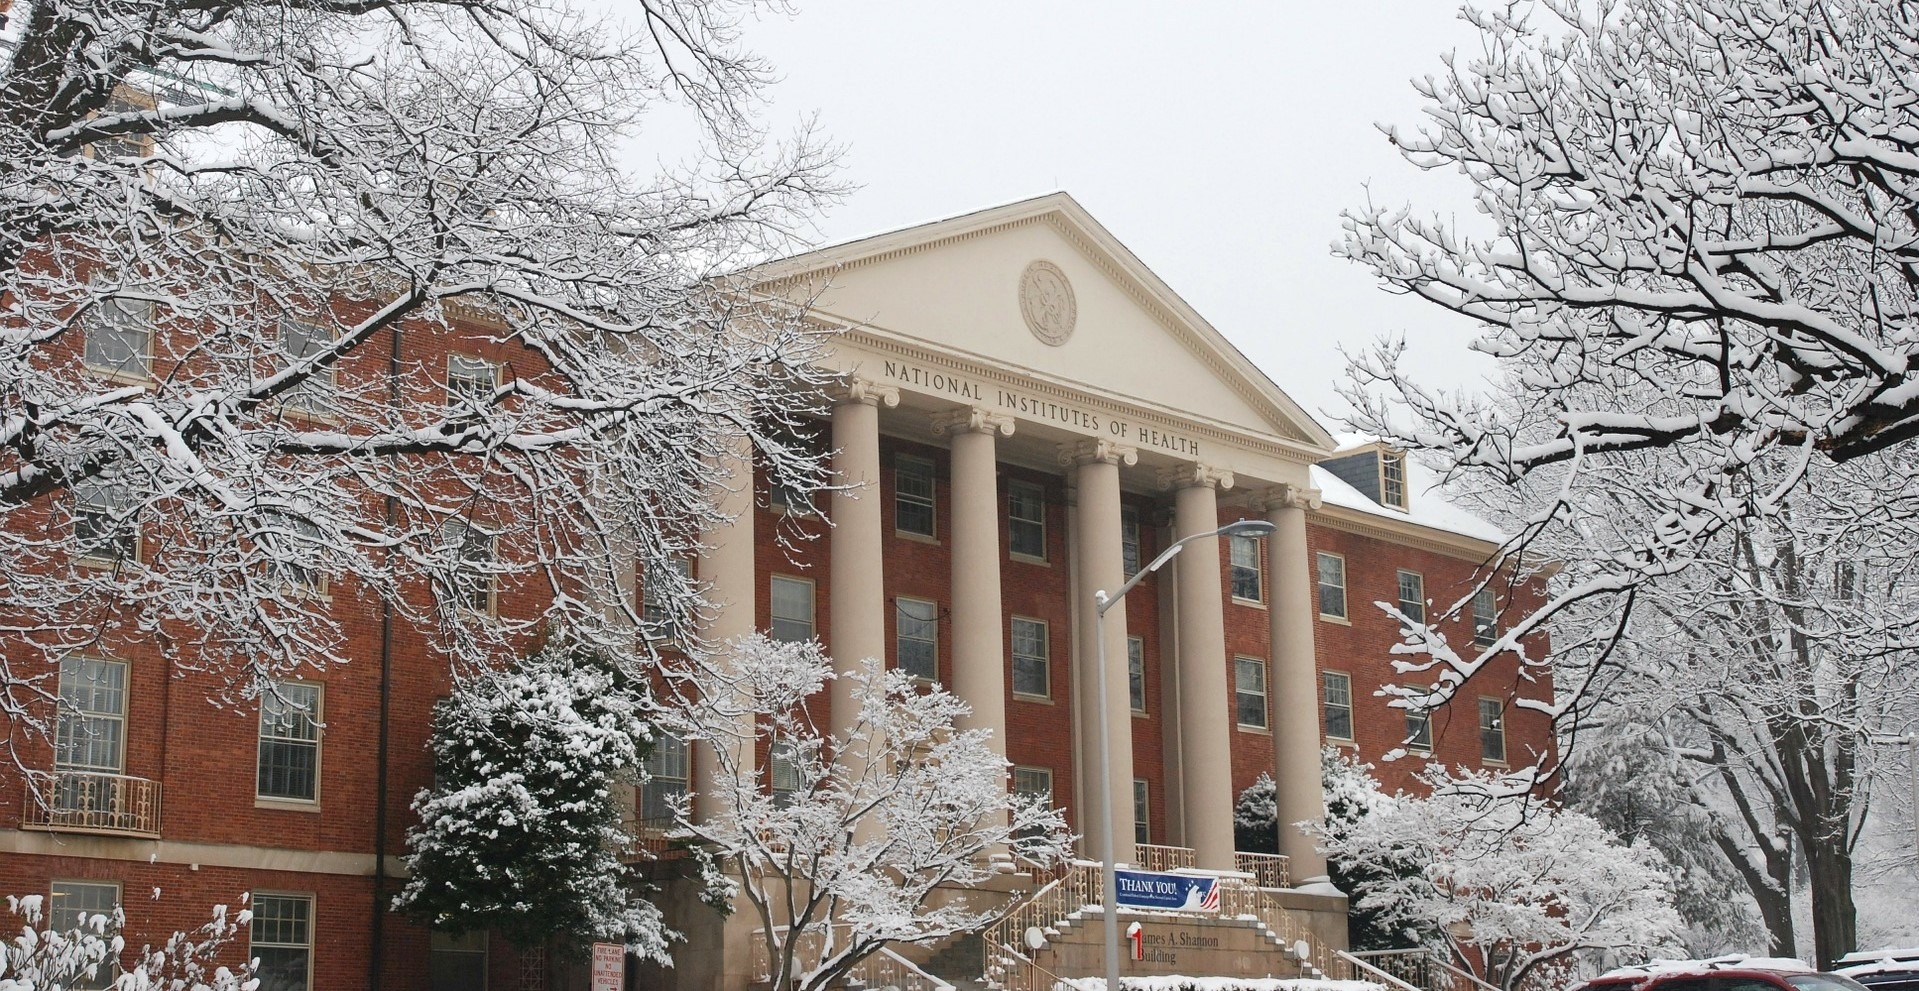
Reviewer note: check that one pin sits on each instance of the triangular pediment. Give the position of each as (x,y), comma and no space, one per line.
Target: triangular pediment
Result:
(986,285)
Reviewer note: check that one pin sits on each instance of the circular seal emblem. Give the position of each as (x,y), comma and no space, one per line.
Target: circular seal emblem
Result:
(1046,300)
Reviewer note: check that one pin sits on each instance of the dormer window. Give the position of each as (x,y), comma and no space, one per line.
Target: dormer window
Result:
(1392,479)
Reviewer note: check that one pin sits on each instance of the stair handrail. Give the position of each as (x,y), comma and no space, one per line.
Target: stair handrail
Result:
(1432,959)
(887,968)
(1032,976)
(1362,967)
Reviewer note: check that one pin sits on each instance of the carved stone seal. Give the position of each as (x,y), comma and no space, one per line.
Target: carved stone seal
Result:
(1046,300)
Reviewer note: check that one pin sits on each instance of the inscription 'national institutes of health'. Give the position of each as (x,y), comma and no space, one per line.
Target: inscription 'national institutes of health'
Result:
(1034,408)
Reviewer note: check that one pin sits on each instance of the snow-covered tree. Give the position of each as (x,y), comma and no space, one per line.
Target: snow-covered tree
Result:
(521,831)
(1523,896)
(1352,794)
(1256,817)
(42,957)
(844,852)
(238,239)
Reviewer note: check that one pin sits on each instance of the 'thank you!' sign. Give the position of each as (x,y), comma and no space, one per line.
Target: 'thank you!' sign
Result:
(1166,892)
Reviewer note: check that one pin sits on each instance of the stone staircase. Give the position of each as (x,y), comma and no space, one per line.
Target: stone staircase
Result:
(961,963)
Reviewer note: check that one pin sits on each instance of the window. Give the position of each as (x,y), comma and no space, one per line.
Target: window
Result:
(1245,564)
(917,643)
(1485,617)
(783,772)
(70,906)
(318,394)
(1412,599)
(1492,730)
(290,742)
(470,382)
(1142,813)
(665,781)
(91,732)
(792,607)
(1332,585)
(913,495)
(293,544)
(472,577)
(1031,673)
(1136,673)
(1033,782)
(103,526)
(1338,709)
(1419,730)
(282,940)
(1129,546)
(656,609)
(1392,478)
(457,963)
(119,337)
(1249,691)
(1026,519)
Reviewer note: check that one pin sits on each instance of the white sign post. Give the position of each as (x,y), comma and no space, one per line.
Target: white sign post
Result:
(609,967)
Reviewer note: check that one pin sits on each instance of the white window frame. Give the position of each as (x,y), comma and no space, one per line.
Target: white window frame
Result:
(1417,614)
(900,639)
(1327,705)
(1257,570)
(436,939)
(1142,811)
(1241,664)
(106,500)
(1485,613)
(312,923)
(1419,731)
(1320,585)
(773,619)
(1037,493)
(669,774)
(1033,773)
(1045,659)
(1392,479)
(468,594)
(1136,674)
(913,464)
(74,719)
(659,620)
(317,721)
(1497,729)
(62,918)
(783,779)
(318,395)
(1132,549)
(121,315)
(462,380)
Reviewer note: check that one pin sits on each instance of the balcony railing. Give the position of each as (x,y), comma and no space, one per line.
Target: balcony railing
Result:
(1269,870)
(1163,858)
(92,802)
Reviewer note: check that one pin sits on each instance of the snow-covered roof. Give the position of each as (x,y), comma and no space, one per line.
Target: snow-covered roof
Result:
(1427,505)
(1660,968)
(1908,955)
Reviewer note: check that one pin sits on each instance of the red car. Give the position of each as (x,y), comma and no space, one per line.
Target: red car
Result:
(1736,974)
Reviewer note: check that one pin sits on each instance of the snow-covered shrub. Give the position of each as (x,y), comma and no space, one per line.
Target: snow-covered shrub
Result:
(42,958)
(1256,817)
(521,833)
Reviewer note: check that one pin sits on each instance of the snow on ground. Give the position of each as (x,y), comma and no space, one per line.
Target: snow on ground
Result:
(1180,983)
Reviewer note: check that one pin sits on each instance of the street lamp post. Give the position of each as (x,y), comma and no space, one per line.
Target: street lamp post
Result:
(1101,603)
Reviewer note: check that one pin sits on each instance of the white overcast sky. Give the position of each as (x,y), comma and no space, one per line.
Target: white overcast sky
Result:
(1219,141)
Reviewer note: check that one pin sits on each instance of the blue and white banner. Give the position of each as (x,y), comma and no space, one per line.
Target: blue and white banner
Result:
(1167,892)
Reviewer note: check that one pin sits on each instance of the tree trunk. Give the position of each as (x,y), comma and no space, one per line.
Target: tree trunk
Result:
(1835,921)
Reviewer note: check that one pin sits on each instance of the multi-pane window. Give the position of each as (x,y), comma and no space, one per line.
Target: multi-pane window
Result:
(1419,730)
(91,731)
(792,609)
(783,771)
(1244,555)
(1249,691)
(290,742)
(1485,617)
(917,641)
(913,495)
(656,606)
(282,941)
(1492,730)
(1136,673)
(292,543)
(1026,519)
(1338,709)
(1412,598)
(72,905)
(318,393)
(1033,782)
(1392,478)
(457,963)
(1129,545)
(1031,675)
(119,337)
(665,781)
(1332,585)
(1142,813)
(470,382)
(473,573)
(103,524)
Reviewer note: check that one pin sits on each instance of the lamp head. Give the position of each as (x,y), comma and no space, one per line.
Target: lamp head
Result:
(1247,528)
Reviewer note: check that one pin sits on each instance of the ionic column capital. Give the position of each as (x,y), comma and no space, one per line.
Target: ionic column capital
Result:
(1195,475)
(859,389)
(1096,451)
(1288,496)
(973,420)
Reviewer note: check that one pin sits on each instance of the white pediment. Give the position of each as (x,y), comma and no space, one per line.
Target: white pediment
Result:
(956,286)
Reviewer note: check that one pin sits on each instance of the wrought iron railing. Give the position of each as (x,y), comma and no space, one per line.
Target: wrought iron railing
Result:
(883,969)
(1269,870)
(1423,969)
(1153,857)
(92,802)
(1007,962)
(1347,967)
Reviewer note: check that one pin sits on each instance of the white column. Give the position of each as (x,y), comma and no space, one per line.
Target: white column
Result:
(1205,721)
(1293,673)
(856,589)
(979,631)
(1100,564)
(726,572)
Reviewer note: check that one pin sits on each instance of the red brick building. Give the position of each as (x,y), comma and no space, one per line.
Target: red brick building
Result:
(1029,415)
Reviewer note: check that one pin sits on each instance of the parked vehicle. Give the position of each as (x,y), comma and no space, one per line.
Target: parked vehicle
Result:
(1882,970)
(1735,973)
